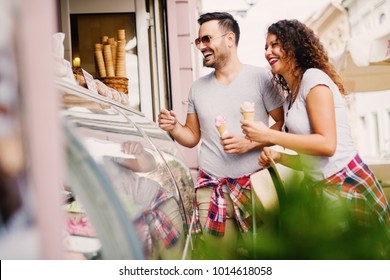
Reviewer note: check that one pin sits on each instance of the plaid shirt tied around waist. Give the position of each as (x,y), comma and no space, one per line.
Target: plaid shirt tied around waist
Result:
(358,184)
(163,227)
(216,218)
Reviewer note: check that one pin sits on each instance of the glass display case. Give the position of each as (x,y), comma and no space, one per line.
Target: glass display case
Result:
(128,193)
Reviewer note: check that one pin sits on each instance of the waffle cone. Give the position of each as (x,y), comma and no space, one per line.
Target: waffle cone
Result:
(248,116)
(222,129)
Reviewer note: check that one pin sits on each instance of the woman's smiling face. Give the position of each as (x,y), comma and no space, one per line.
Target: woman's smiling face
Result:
(275,55)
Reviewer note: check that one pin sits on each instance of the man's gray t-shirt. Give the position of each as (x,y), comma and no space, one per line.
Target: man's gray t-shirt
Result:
(208,98)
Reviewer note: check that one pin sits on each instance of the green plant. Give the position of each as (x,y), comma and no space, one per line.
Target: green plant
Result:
(312,226)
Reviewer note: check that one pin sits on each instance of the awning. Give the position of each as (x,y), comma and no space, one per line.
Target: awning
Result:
(370,49)
(380,50)
(366,62)
(365,78)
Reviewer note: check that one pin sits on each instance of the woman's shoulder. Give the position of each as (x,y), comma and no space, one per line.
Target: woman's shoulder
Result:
(314,72)
(315,76)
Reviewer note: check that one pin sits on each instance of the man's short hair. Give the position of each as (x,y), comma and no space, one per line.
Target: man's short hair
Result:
(225,20)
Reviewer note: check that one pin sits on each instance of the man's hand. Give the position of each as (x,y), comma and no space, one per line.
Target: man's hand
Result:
(143,162)
(233,144)
(167,120)
(132,148)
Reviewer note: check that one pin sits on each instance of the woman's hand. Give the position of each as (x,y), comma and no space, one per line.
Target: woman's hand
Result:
(266,155)
(256,131)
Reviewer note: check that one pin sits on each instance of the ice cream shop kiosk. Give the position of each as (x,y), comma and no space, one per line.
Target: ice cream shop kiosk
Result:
(81,123)
(160,61)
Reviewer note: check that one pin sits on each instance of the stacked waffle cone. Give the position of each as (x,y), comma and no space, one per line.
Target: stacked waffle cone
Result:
(120,67)
(110,56)
(108,61)
(112,43)
(99,59)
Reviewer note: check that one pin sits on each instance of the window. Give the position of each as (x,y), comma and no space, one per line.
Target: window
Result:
(88,29)
(145,24)
(376,138)
(387,141)
(363,141)
(382,18)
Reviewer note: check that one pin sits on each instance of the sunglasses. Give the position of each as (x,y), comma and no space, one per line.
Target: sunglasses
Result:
(206,39)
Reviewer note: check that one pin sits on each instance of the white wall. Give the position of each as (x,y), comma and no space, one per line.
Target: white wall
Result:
(370,117)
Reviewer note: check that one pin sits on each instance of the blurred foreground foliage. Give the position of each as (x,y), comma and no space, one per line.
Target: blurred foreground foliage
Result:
(308,227)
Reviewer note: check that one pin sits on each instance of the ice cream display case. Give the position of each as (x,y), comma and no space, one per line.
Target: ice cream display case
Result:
(128,194)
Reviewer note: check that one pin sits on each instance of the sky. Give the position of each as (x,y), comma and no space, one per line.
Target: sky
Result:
(254,25)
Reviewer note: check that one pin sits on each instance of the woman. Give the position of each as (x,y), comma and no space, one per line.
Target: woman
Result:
(316,125)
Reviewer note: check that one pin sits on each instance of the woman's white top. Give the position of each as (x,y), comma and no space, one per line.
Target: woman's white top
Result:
(297,122)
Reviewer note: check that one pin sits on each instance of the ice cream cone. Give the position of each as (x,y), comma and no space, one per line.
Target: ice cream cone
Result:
(222,129)
(220,124)
(248,116)
(247,110)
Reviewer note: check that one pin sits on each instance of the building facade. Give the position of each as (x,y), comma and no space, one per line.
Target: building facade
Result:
(356,34)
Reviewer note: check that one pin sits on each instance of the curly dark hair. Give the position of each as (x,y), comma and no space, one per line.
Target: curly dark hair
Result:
(225,20)
(303,48)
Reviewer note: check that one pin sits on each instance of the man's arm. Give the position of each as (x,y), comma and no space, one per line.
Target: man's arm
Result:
(143,162)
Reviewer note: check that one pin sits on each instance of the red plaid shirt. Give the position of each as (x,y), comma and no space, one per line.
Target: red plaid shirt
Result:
(215,222)
(358,184)
(164,229)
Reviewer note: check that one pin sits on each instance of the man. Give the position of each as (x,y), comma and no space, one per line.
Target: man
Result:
(222,203)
